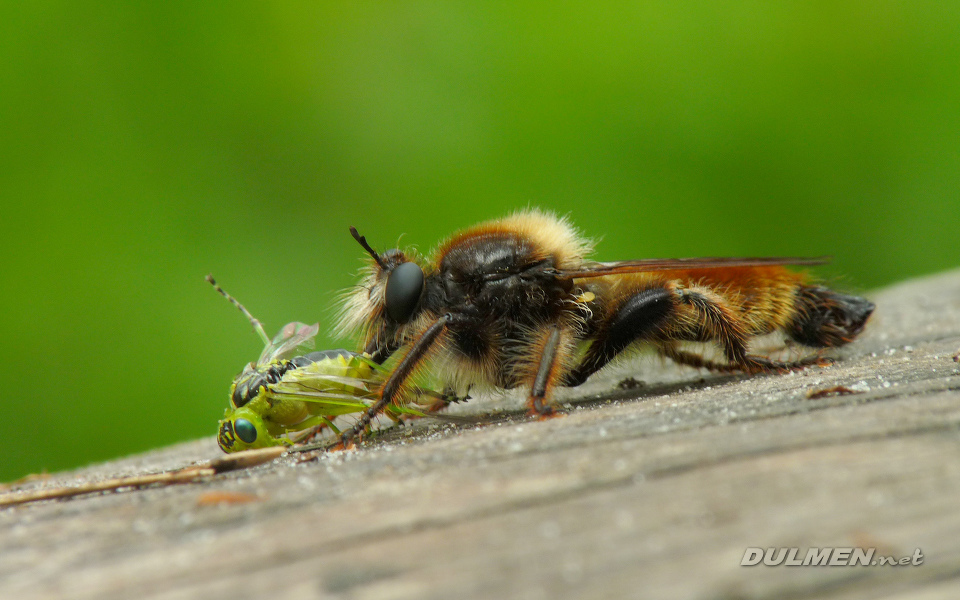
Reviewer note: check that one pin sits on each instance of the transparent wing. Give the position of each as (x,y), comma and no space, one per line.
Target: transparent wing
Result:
(292,339)
(336,387)
(645,265)
(323,384)
(327,403)
(333,386)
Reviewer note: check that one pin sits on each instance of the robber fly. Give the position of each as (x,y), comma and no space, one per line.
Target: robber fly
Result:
(289,391)
(515,302)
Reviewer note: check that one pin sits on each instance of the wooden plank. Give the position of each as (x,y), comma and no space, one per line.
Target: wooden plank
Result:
(651,492)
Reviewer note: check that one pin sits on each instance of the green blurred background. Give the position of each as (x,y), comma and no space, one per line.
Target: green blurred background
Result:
(147,144)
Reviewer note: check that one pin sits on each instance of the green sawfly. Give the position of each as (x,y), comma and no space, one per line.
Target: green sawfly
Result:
(289,390)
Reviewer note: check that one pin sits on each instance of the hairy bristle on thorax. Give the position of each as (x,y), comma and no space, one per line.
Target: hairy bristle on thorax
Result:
(553,235)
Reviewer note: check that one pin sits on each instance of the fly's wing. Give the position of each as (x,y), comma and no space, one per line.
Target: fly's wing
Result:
(646,265)
(293,338)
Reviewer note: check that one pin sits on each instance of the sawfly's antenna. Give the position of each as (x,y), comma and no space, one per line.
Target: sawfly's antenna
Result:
(257,326)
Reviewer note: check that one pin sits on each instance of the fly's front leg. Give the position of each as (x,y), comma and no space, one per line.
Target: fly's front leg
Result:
(393,386)
(379,347)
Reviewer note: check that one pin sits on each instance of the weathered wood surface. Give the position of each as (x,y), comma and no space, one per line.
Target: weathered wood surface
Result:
(653,492)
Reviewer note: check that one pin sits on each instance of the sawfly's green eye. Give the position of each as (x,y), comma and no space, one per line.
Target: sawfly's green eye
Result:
(404,286)
(245,430)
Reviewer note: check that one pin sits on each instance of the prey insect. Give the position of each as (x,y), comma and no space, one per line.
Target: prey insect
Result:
(516,303)
(288,391)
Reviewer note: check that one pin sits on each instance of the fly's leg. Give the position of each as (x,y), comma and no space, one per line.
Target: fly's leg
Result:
(704,316)
(667,314)
(692,359)
(549,357)
(638,317)
(393,386)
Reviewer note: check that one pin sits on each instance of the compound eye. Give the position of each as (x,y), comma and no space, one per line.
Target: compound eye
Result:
(245,430)
(225,437)
(404,286)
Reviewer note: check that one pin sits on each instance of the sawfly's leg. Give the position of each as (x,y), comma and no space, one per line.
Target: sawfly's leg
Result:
(441,400)
(315,425)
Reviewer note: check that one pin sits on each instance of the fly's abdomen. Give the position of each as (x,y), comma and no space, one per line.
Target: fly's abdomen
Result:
(825,318)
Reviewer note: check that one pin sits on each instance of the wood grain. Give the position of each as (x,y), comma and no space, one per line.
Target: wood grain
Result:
(647,491)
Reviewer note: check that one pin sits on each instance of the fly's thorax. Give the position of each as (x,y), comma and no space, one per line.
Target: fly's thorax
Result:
(502,273)
(544,232)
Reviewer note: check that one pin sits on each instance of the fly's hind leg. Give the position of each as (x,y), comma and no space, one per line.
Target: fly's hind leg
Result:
(692,359)
(667,314)
(704,316)
(759,363)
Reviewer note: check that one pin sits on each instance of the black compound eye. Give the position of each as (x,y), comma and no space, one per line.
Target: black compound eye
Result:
(404,286)
(245,430)
(225,437)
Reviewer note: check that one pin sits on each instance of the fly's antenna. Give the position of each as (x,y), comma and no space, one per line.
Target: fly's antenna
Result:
(363,242)
(257,326)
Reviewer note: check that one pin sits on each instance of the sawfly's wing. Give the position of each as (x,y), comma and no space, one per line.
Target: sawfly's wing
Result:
(292,339)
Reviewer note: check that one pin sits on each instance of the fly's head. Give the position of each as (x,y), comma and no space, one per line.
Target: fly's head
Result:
(389,301)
